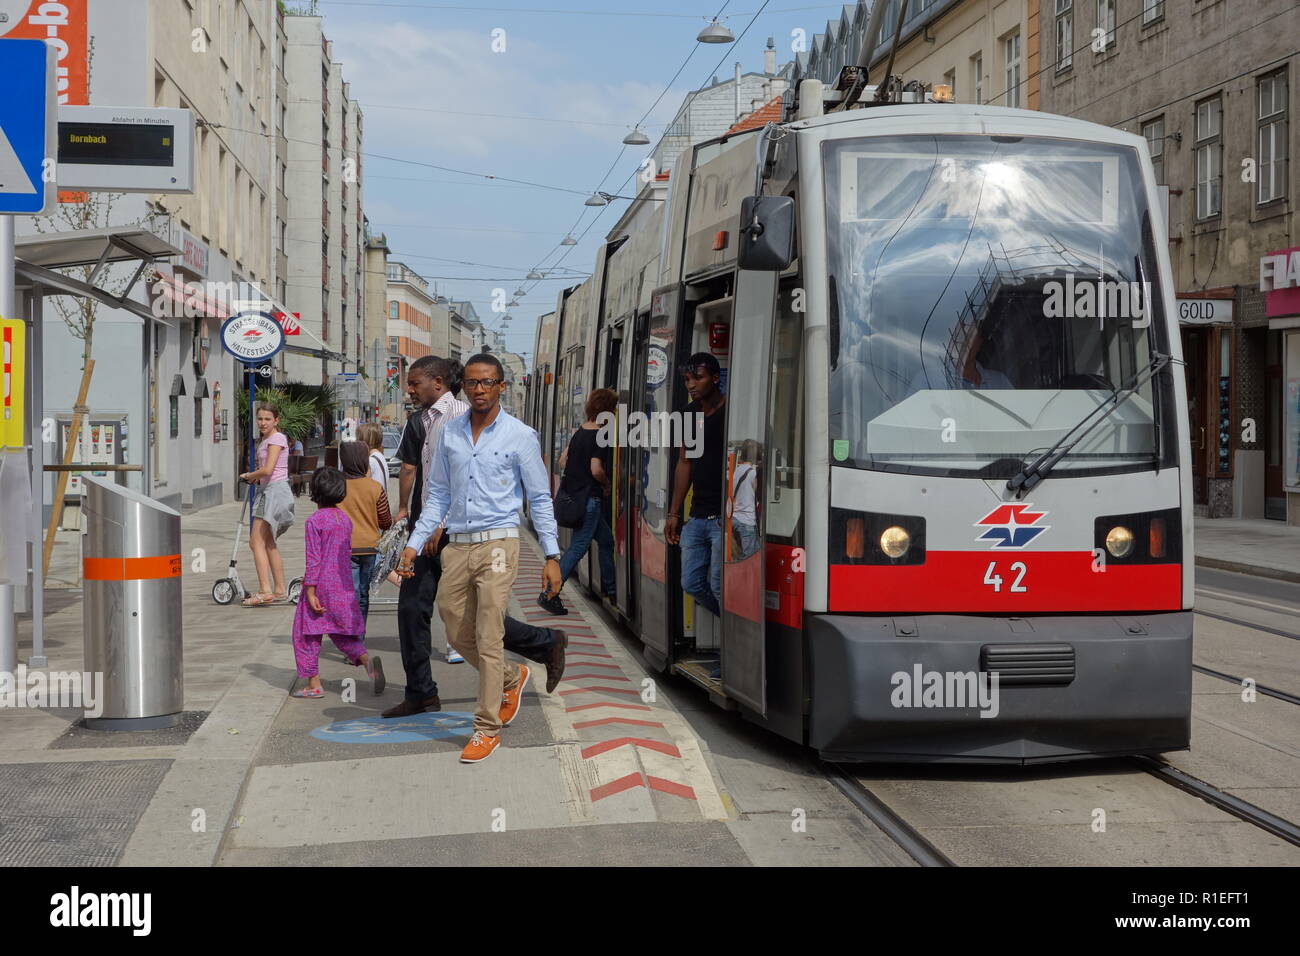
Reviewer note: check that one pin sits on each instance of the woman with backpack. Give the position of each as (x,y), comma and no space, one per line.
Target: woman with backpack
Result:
(586,467)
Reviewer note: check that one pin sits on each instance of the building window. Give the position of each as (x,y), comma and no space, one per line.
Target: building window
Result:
(977,77)
(1152,10)
(1209,157)
(1154,131)
(950,78)
(1272,137)
(1104,35)
(392,310)
(1064,34)
(1011,54)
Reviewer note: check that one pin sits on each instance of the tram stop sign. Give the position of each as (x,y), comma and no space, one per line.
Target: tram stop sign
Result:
(252,337)
(28,115)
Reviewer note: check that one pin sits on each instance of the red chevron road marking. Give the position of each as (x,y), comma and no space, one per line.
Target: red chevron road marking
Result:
(606,703)
(635,780)
(592,690)
(616,720)
(607,745)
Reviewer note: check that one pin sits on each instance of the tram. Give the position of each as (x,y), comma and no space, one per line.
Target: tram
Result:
(949,349)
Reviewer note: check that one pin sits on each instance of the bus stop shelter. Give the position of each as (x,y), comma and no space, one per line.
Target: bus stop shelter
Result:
(35,278)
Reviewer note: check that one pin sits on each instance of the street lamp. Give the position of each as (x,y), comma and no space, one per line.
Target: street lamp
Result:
(715,32)
(534,274)
(597,199)
(636,138)
(568,241)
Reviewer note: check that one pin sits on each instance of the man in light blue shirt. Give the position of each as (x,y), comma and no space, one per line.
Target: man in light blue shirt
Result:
(485,463)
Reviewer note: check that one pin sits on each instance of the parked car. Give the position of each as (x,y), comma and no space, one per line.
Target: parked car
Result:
(391,442)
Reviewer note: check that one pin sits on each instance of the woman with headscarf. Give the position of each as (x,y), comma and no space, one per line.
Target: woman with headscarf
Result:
(366,505)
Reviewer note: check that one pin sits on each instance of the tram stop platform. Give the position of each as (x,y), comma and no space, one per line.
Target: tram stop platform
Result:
(618,766)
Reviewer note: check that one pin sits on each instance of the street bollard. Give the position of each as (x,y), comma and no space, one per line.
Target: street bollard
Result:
(131,607)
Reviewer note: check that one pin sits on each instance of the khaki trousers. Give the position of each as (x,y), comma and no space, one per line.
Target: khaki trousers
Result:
(472,597)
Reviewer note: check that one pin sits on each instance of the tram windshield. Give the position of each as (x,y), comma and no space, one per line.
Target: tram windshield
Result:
(986,293)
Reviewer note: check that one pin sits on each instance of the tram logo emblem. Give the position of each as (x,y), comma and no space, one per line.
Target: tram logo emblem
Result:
(1011,526)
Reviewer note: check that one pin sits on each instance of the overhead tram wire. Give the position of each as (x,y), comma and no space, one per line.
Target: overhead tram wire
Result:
(557,12)
(623,149)
(712,72)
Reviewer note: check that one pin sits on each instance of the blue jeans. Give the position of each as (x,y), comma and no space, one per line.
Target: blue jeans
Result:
(744,538)
(363,566)
(593,525)
(702,562)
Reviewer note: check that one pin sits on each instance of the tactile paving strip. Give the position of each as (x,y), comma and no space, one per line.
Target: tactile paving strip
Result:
(79,813)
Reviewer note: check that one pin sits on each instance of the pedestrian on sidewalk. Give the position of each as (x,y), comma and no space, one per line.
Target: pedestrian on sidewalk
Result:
(484,464)
(372,436)
(329,604)
(433,384)
(366,506)
(586,468)
(272,508)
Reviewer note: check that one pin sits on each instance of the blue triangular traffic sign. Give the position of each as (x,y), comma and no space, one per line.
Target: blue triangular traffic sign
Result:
(28,124)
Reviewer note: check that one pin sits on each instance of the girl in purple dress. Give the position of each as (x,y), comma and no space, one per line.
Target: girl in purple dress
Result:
(329,601)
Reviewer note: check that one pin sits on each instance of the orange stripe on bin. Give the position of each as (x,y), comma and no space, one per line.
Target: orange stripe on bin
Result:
(131,569)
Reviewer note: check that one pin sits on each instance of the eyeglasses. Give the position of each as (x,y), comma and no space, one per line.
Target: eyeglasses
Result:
(472,383)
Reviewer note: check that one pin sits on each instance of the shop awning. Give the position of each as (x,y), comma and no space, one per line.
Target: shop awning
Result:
(184,298)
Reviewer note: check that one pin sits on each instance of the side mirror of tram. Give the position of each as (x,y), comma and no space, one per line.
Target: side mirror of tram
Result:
(766,233)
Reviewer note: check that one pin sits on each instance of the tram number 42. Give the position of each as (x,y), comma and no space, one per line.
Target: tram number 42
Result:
(994,580)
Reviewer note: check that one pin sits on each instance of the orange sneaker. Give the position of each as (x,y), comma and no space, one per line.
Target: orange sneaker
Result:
(479,748)
(513,697)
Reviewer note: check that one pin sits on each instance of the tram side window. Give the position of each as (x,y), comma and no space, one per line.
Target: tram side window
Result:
(784,468)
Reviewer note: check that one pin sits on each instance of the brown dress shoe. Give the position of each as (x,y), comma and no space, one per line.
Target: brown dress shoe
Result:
(406,708)
(555,663)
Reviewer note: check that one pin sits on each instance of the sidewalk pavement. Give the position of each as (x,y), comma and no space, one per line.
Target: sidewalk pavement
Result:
(1269,549)
(608,770)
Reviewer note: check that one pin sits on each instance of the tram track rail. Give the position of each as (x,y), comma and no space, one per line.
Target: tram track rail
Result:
(1250,624)
(1242,809)
(906,836)
(1268,691)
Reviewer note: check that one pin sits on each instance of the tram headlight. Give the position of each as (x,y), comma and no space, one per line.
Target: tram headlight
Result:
(894,541)
(1119,541)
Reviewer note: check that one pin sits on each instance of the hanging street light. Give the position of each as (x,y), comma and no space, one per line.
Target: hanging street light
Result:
(512,304)
(534,274)
(597,199)
(568,241)
(520,291)
(715,32)
(636,138)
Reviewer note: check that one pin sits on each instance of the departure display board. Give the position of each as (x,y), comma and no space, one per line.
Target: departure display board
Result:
(118,144)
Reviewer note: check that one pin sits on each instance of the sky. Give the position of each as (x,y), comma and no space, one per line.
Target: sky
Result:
(550,105)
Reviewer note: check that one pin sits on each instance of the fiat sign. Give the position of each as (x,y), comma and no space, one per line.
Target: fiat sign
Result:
(252,337)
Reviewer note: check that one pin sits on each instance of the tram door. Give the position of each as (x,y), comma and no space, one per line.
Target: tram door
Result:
(744,672)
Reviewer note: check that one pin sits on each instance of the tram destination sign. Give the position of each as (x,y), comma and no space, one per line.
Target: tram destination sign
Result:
(120,149)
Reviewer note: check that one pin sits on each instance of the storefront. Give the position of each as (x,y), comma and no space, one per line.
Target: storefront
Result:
(1279,280)
(1206,322)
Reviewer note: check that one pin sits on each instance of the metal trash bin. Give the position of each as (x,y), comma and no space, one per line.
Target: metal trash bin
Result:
(131,607)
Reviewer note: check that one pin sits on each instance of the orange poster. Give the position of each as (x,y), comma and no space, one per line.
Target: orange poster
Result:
(63,25)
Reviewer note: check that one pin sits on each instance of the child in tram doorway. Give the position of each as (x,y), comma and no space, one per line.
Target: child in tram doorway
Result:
(701,539)
(329,600)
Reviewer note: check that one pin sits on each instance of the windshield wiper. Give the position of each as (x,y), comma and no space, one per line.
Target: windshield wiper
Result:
(1028,477)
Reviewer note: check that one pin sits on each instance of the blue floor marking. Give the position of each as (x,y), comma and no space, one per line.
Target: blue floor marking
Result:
(398,730)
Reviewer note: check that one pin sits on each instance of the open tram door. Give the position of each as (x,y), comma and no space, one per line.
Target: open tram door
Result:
(763,664)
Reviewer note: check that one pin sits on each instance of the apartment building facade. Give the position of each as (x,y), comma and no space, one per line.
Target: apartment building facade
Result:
(324,225)
(1207,83)
(988,51)
(163,394)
